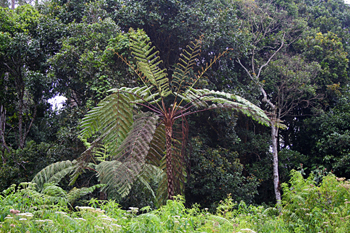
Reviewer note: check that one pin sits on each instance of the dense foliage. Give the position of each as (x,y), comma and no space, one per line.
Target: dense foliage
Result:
(306,207)
(289,58)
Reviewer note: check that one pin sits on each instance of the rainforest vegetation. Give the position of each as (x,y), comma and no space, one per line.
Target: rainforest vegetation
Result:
(197,116)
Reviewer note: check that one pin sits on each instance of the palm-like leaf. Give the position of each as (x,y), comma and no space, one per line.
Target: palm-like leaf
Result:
(184,67)
(112,113)
(76,193)
(53,173)
(120,173)
(208,99)
(147,63)
(157,146)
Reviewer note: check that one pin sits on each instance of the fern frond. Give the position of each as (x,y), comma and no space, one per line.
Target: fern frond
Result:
(208,99)
(183,69)
(157,146)
(53,173)
(101,153)
(162,190)
(208,65)
(130,159)
(147,63)
(149,173)
(112,113)
(113,117)
(52,190)
(76,193)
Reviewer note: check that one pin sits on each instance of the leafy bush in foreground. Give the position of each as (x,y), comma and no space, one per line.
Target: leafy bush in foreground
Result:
(306,207)
(312,208)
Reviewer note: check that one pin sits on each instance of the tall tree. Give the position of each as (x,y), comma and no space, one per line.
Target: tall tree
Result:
(20,65)
(270,31)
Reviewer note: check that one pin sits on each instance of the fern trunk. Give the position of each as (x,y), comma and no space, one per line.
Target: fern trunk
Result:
(169,164)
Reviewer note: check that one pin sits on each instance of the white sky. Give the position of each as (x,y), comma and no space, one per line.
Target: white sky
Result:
(57,102)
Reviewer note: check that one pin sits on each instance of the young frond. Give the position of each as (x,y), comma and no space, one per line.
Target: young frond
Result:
(183,69)
(53,173)
(101,153)
(147,63)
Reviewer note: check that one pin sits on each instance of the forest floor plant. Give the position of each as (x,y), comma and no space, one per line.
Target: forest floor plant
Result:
(307,207)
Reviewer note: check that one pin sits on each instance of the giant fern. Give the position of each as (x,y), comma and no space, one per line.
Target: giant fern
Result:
(141,144)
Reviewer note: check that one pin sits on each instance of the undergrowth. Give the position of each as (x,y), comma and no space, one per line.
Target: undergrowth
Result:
(306,207)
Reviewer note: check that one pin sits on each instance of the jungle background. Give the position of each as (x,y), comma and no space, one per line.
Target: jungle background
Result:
(66,48)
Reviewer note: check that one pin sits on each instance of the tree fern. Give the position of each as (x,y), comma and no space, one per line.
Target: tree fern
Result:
(141,144)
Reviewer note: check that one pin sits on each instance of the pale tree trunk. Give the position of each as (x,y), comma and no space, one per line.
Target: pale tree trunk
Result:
(274,128)
(276,180)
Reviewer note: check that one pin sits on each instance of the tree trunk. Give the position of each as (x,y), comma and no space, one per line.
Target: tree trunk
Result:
(276,180)
(169,163)
(20,124)
(2,132)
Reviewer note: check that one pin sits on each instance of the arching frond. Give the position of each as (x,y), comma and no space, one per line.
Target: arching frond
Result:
(120,173)
(147,63)
(113,117)
(162,190)
(53,190)
(53,173)
(84,160)
(208,99)
(112,113)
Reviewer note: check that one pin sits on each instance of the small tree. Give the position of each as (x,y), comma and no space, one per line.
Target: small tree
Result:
(137,124)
